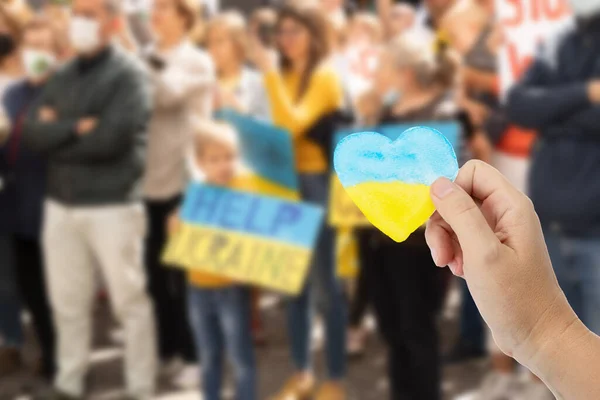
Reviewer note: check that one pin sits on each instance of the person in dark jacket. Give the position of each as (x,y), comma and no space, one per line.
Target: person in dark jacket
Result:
(24,174)
(559,96)
(90,121)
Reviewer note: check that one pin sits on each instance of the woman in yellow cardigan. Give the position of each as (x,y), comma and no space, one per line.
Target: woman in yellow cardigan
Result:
(302,90)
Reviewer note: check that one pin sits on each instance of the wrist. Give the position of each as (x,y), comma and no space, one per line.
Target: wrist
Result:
(560,330)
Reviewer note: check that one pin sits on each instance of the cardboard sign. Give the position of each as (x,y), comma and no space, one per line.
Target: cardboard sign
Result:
(343,213)
(267,151)
(525,23)
(255,232)
(249,238)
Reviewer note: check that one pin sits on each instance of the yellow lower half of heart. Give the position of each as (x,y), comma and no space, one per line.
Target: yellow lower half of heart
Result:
(395,208)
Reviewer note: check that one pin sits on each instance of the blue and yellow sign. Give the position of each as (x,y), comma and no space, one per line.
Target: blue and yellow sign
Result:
(246,237)
(266,151)
(256,231)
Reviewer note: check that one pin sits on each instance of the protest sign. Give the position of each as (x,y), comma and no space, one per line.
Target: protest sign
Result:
(343,213)
(256,231)
(246,237)
(525,24)
(267,151)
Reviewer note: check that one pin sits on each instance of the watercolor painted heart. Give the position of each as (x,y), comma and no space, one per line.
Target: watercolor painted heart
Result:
(389,180)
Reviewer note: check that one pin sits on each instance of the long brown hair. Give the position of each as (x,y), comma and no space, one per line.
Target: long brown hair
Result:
(315,22)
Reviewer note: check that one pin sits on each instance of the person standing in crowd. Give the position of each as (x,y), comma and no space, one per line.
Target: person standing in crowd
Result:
(220,309)
(406,289)
(90,121)
(238,87)
(11,335)
(21,199)
(183,78)
(302,92)
(559,96)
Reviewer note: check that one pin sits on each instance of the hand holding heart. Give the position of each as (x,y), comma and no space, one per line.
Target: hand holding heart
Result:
(497,246)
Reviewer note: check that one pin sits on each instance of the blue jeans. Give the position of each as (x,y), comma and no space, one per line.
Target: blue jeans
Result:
(220,319)
(576,262)
(324,287)
(10,305)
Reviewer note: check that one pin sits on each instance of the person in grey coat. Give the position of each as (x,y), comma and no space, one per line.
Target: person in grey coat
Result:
(90,122)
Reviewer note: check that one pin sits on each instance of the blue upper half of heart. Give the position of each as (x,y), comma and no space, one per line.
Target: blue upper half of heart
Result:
(419,156)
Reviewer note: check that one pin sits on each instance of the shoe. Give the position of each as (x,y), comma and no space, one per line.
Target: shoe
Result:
(331,391)
(497,386)
(534,390)
(355,346)
(58,395)
(170,368)
(463,352)
(10,361)
(188,378)
(298,387)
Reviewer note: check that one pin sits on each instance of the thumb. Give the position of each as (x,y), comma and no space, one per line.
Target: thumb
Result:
(459,210)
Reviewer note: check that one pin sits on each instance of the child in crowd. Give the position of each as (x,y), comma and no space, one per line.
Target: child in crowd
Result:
(220,308)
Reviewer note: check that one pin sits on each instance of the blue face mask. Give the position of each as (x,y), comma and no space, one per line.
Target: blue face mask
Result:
(391,97)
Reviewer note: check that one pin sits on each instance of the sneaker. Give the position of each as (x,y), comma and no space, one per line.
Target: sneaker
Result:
(463,352)
(170,368)
(188,378)
(10,361)
(535,390)
(298,387)
(497,386)
(58,395)
(331,391)
(355,345)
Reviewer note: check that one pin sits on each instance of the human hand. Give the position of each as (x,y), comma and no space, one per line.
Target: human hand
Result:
(4,128)
(86,125)
(487,231)
(173,223)
(593,90)
(47,114)
(227,99)
(263,58)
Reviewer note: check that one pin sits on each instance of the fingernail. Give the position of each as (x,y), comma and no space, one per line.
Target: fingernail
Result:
(434,257)
(453,265)
(442,188)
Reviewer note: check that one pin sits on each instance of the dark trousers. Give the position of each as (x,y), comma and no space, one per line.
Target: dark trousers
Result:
(32,287)
(167,287)
(361,300)
(406,289)
(472,329)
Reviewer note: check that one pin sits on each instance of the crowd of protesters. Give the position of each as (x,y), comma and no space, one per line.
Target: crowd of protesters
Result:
(107,115)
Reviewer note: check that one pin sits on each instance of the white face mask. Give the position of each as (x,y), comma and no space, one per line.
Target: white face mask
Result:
(38,64)
(390,97)
(85,34)
(585,8)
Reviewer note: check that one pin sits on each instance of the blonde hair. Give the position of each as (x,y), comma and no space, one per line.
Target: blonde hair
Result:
(214,132)
(370,23)
(235,23)
(431,59)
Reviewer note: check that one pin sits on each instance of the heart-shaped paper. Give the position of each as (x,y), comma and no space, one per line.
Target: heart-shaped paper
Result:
(389,180)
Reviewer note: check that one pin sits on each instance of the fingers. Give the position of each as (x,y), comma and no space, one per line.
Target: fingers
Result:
(439,240)
(481,181)
(463,216)
(445,249)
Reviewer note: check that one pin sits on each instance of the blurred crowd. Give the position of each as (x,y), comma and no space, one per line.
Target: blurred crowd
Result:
(107,113)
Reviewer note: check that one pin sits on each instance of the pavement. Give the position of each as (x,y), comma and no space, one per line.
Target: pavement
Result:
(366,375)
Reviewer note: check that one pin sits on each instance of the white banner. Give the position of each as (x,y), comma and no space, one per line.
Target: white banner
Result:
(524,24)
